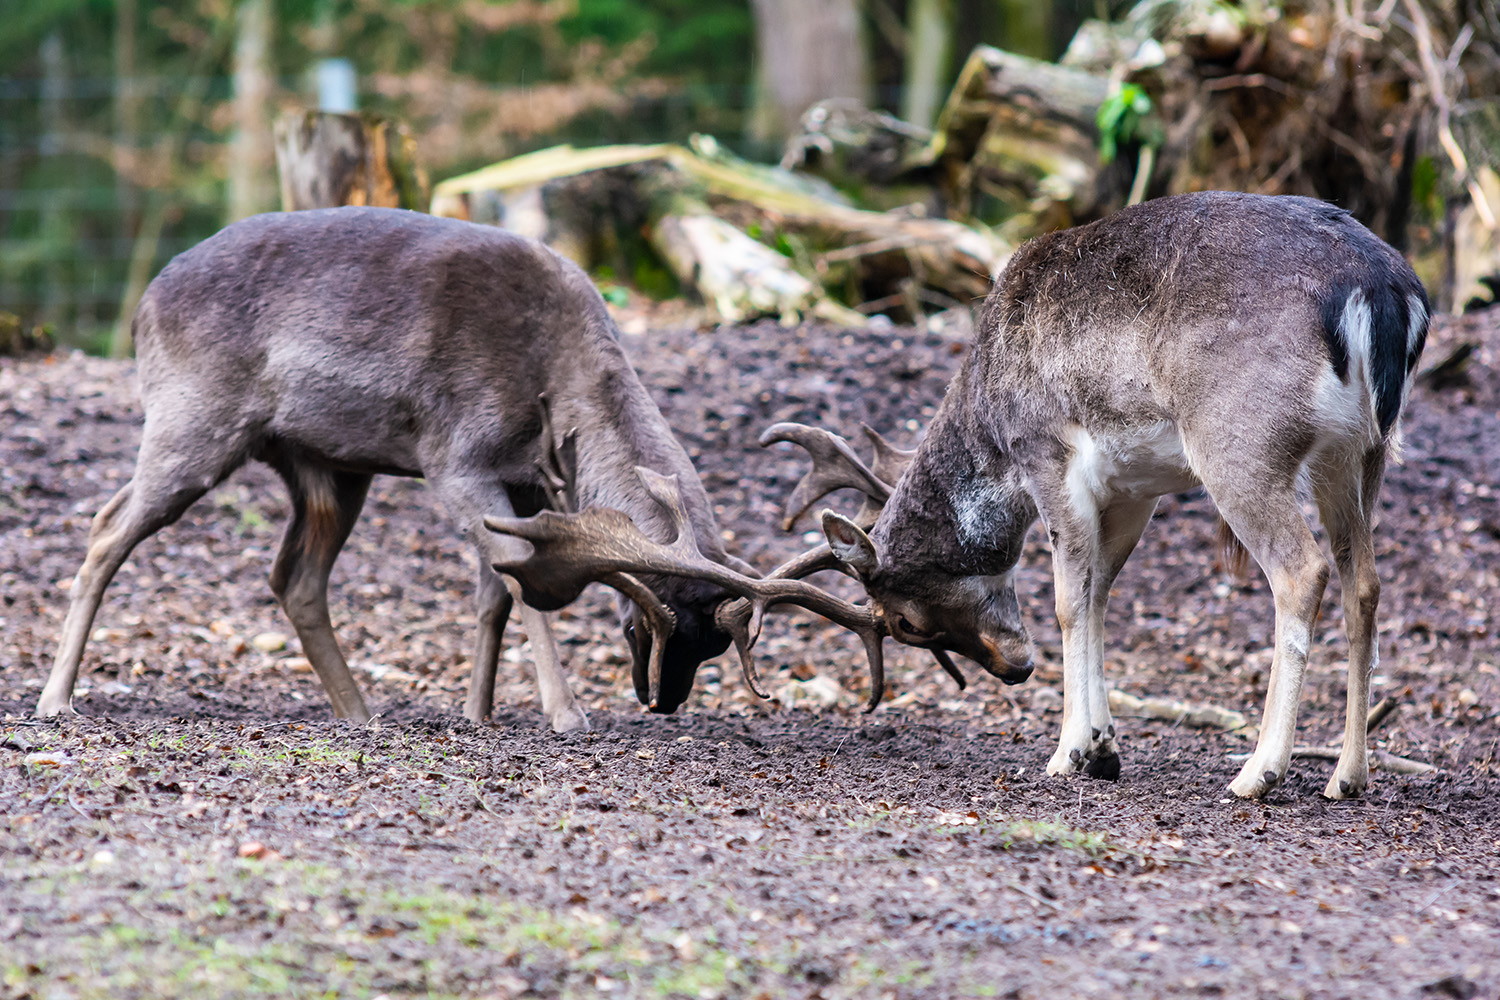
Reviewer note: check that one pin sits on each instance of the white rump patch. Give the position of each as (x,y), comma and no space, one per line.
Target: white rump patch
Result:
(1418,313)
(1346,410)
(1354,328)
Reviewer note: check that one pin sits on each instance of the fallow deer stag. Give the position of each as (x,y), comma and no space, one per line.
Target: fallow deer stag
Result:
(341,343)
(1246,343)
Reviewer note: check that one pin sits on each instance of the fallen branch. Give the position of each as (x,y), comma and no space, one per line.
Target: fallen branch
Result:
(1383,710)
(1183,713)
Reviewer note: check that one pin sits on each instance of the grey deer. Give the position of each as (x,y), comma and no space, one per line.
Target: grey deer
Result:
(1246,343)
(337,344)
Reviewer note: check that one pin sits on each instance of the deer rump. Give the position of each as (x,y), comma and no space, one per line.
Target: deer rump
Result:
(342,343)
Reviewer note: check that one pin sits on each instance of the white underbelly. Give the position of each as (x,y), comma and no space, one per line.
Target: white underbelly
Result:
(1139,463)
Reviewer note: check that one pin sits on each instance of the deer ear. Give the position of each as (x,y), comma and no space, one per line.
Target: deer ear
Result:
(850,544)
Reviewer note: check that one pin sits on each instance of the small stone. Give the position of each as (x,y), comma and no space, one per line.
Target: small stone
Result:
(269,642)
(46,758)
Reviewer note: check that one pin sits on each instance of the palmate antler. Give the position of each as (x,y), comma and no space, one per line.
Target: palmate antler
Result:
(571,550)
(837,467)
(558,468)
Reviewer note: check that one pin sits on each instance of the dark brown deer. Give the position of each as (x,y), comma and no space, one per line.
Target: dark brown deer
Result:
(1250,344)
(342,343)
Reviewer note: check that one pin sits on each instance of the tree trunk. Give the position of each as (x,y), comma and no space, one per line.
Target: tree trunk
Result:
(55,228)
(327,160)
(250,151)
(806,51)
(127,119)
(929,50)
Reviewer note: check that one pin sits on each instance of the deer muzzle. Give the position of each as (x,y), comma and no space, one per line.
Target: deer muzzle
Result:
(1007,659)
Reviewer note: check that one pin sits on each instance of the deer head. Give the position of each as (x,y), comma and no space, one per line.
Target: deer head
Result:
(669,624)
(935,607)
(836,466)
(571,550)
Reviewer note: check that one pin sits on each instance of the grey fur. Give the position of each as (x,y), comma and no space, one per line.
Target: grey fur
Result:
(340,343)
(1199,319)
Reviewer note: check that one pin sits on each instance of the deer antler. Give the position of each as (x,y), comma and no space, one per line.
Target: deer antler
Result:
(571,550)
(890,462)
(558,468)
(836,466)
(559,463)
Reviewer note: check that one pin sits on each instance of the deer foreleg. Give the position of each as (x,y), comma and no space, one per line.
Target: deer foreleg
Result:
(558,704)
(1088,554)
(494,604)
(1073,575)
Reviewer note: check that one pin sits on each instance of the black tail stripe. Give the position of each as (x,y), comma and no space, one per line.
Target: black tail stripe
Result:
(1392,356)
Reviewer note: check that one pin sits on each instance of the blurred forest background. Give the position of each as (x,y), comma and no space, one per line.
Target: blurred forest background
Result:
(131,130)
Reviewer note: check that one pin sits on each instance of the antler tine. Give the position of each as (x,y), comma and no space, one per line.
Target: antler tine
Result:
(571,550)
(835,466)
(875,653)
(950,668)
(659,622)
(558,465)
(890,462)
(664,491)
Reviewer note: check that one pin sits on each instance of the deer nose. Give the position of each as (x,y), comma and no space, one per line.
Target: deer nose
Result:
(1016,675)
(1003,666)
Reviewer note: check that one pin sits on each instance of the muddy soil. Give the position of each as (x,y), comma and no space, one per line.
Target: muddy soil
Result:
(203,828)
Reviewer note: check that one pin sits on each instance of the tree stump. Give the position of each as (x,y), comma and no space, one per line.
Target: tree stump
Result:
(326,160)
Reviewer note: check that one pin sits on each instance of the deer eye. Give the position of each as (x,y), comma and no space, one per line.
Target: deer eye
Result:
(904,624)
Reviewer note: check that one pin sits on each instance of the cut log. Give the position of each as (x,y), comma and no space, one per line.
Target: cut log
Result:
(326,160)
(1016,129)
(797,237)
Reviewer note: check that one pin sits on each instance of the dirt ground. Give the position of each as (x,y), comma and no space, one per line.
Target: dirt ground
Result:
(203,828)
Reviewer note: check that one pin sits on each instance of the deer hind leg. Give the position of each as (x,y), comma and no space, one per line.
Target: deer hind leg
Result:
(1269,521)
(1346,499)
(166,482)
(1088,553)
(325,506)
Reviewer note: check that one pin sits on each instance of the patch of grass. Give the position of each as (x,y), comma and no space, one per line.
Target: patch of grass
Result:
(1032,833)
(290,928)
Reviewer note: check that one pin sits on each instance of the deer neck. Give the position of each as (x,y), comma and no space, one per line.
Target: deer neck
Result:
(618,429)
(961,505)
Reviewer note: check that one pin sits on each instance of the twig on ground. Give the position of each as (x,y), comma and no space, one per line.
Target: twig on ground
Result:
(1383,710)
(1185,713)
(80,810)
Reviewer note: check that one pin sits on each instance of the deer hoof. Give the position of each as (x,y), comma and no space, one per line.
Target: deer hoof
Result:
(1255,780)
(1105,766)
(1065,761)
(50,708)
(1345,788)
(571,721)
